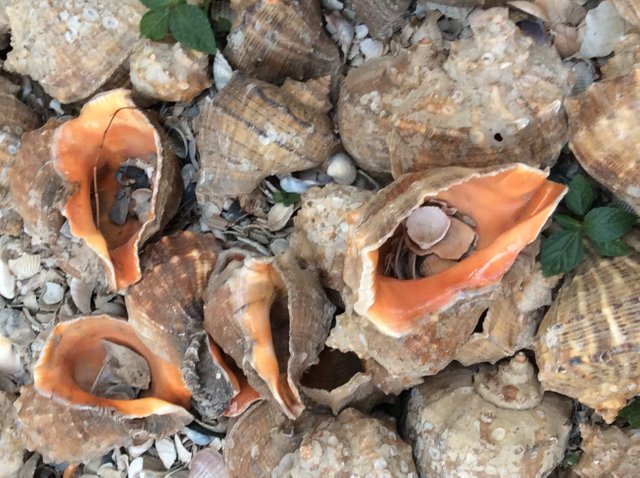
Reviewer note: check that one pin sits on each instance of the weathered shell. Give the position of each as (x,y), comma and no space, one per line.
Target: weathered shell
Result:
(418,110)
(585,347)
(609,109)
(382,17)
(629,10)
(207,463)
(608,451)
(62,420)
(169,72)
(11,447)
(277,39)
(54,175)
(626,54)
(461,425)
(252,129)
(71,49)
(270,315)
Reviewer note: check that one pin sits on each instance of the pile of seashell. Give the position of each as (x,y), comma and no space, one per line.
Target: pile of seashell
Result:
(325,253)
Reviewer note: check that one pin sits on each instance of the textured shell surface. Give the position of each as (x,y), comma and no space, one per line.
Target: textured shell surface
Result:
(608,451)
(629,9)
(382,17)
(71,48)
(11,446)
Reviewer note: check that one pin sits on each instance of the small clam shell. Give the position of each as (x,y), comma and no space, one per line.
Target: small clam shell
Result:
(53,293)
(207,463)
(382,17)
(279,216)
(25,266)
(342,169)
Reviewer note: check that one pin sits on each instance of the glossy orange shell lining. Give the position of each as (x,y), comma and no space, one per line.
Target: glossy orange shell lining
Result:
(510,208)
(77,150)
(73,356)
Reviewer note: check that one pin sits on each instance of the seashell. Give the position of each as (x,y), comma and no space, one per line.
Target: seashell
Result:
(342,169)
(629,10)
(279,216)
(169,72)
(251,130)
(585,346)
(607,451)
(420,109)
(268,314)
(222,71)
(626,55)
(53,293)
(608,110)
(494,415)
(11,447)
(61,398)
(71,49)
(272,40)
(184,455)
(54,175)
(207,463)
(382,17)
(9,359)
(7,281)
(602,29)
(25,266)
(166,452)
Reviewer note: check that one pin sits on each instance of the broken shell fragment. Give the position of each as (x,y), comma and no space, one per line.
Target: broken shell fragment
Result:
(607,451)
(382,17)
(11,446)
(61,397)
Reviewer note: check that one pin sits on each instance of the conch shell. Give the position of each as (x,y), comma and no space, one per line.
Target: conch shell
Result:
(61,419)
(608,451)
(72,170)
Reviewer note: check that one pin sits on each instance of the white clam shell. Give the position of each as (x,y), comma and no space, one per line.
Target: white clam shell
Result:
(7,281)
(166,451)
(279,216)
(25,266)
(342,169)
(53,293)
(426,226)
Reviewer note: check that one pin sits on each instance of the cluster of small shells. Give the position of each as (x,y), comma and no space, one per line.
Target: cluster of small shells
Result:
(409,262)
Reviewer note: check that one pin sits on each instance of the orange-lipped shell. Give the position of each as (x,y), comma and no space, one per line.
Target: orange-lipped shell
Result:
(65,422)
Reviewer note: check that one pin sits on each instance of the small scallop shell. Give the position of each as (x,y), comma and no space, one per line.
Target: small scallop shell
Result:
(382,17)
(207,463)
(25,266)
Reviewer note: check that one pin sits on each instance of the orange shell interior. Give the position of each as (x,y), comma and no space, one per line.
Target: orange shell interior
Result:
(510,208)
(73,356)
(108,131)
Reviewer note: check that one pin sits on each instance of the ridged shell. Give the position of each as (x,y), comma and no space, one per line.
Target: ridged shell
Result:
(71,49)
(418,110)
(629,10)
(207,463)
(59,418)
(626,54)
(25,266)
(605,126)
(586,345)
(251,130)
(277,39)
(607,451)
(382,17)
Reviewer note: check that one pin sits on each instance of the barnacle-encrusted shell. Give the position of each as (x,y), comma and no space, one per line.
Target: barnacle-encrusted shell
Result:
(55,174)
(496,99)
(487,425)
(11,447)
(277,39)
(382,17)
(252,129)
(71,48)
(586,345)
(169,72)
(605,126)
(272,318)
(608,451)
(61,419)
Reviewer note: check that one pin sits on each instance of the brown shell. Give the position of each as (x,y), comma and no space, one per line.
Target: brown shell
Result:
(608,451)
(605,125)
(629,10)
(419,109)
(625,56)
(54,175)
(585,347)
(71,49)
(277,39)
(251,130)
(272,318)
(64,422)
(382,17)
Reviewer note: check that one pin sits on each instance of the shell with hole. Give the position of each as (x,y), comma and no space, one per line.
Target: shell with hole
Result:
(85,170)
(608,451)
(252,129)
(70,393)
(272,318)
(420,109)
(72,48)
(585,347)
(277,39)
(484,423)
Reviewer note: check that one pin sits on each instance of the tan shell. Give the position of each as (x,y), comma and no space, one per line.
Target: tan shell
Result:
(459,426)
(419,109)
(268,314)
(625,56)
(608,451)
(252,129)
(71,49)
(277,39)
(629,10)
(53,175)
(608,109)
(585,347)
(11,446)
(382,17)
(169,72)
(64,422)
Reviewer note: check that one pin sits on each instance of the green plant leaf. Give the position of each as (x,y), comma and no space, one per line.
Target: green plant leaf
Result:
(190,26)
(605,224)
(286,198)
(631,413)
(580,196)
(614,248)
(571,459)
(154,24)
(206,5)
(561,252)
(567,222)
(160,4)
(223,25)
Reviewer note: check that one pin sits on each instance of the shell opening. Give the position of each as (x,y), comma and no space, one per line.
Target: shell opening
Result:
(334,369)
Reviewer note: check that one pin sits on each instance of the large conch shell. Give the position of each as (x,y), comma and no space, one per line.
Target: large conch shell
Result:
(496,99)
(605,125)
(382,17)
(61,419)
(586,345)
(71,48)
(61,169)
(608,451)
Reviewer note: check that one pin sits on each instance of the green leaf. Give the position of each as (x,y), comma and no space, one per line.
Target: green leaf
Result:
(605,224)
(286,198)
(154,24)
(631,413)
(190,26)
(571,459)
(567,222)
(561,252)
(614,248)
(206,5)
(159,4)
(223,25)
(580,196)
